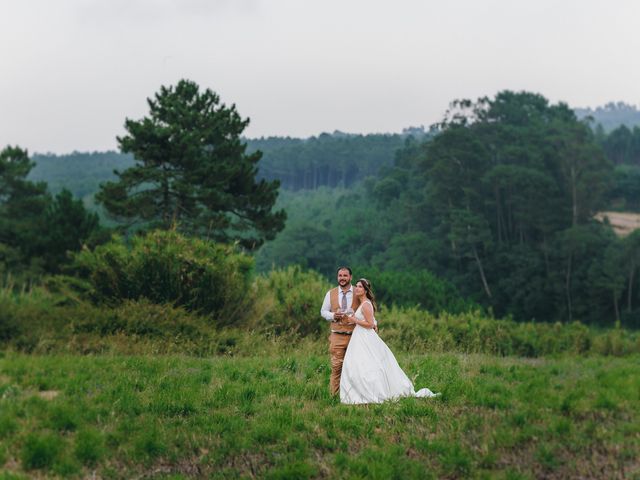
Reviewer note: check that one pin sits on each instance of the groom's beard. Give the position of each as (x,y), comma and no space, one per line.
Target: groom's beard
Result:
(343,283)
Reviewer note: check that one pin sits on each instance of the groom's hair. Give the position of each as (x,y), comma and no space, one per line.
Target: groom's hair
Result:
(344,268)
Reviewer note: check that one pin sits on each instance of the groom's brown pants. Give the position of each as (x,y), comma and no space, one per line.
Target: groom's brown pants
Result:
(337,348)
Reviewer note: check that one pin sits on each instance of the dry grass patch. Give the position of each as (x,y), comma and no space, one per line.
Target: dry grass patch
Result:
(48,394)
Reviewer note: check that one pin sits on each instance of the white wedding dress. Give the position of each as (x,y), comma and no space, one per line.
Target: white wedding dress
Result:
(370,372)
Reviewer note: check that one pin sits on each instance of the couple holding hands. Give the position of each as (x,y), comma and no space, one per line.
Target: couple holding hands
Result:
(363,369)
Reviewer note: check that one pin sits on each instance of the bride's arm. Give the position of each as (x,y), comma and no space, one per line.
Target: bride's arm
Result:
(367,311)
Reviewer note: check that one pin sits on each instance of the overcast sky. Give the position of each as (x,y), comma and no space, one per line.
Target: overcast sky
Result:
(73,70)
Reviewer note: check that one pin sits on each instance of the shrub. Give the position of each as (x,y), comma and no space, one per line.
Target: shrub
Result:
(289,301)
(415,330)
(144,318)
(166,267)
(9,327)
(69,290)
(29,316)
(286,306)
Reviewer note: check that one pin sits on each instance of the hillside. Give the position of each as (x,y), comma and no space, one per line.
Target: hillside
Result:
(329,160)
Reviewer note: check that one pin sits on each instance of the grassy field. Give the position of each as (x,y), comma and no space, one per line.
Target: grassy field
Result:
(115,416)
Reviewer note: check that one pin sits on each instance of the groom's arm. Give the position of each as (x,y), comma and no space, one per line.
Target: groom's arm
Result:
(325,311)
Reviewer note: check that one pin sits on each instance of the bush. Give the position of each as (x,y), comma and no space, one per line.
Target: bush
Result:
(290,301)
(9,327)
(143,318)
(70,290)
(132,327)
(415,330)
(22,322)
(286,306)
(166,267)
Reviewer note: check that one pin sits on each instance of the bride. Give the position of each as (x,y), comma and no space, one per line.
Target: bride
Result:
(370,372)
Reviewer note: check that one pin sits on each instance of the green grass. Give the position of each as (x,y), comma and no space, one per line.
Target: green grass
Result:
(271,416)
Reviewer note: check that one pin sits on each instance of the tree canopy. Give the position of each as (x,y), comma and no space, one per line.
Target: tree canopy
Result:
(499,204)
(36,230)
(509,188)
(22,203)
(192,170)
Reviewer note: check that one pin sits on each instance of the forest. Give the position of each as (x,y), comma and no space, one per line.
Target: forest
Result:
(493,206)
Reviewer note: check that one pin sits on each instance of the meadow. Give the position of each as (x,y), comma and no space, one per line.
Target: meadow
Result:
(269,415)
(136,389)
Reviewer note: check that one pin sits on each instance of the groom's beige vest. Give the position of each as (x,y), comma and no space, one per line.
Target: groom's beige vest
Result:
(335,306)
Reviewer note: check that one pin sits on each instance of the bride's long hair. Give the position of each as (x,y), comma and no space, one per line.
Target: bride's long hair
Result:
(368,292)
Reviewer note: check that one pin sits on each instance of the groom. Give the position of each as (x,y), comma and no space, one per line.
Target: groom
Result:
(336,301)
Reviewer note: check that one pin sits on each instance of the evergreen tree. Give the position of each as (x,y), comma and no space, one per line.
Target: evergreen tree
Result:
(66,227)
(192,170)
(22,203)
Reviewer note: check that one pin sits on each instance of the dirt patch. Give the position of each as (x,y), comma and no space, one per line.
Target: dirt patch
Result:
(48,394)
(622,223)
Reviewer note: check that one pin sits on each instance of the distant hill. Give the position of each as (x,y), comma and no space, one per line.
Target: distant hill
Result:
(612,115)
(329,160)
(337,159)
(81,173)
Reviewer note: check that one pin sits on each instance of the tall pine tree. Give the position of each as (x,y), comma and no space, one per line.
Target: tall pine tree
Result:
(192,170)
(22,203)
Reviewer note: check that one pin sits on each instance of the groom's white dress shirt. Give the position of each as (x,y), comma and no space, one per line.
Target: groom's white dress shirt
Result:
(326,312)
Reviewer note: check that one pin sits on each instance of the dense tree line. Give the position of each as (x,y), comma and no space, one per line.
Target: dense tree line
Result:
(621,145)
(500,204)
(329,160)
(622,148)
(79,172)
(508,191)
(495,205)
